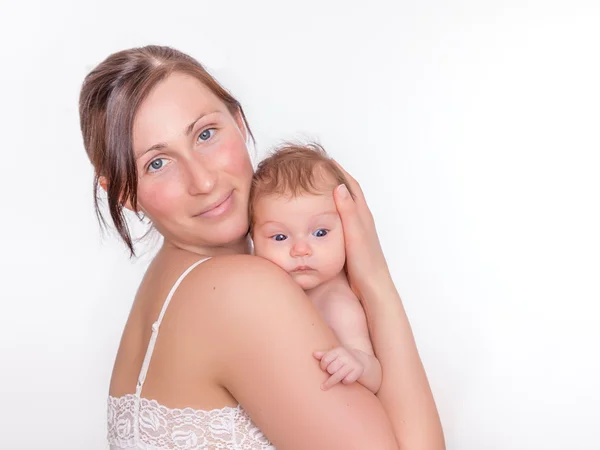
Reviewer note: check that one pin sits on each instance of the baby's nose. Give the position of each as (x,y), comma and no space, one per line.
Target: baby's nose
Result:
(300,248)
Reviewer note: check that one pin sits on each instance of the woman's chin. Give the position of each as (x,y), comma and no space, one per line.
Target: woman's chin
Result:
(231,232)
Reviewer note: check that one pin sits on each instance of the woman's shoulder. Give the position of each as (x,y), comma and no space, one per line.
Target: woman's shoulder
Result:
(232,273)
(229,283)
(244,260)
(238,261)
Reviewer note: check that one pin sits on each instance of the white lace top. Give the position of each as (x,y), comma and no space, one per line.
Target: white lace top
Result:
(138,423)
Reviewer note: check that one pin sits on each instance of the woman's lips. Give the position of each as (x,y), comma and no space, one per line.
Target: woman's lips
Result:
(219,208)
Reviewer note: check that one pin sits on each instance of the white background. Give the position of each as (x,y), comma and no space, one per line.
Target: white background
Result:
(472,125)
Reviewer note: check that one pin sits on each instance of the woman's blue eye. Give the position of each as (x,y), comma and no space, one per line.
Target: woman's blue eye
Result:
(206,134)
(279,237)
(321,232)
(157,164)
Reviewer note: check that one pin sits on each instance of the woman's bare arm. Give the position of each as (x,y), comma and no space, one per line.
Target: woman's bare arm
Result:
(266,330)
(404,392)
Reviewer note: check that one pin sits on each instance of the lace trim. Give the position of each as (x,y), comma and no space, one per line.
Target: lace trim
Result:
(162,428)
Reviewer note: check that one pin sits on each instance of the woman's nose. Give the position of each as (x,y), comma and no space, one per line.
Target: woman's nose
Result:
(200,179)
(299,249)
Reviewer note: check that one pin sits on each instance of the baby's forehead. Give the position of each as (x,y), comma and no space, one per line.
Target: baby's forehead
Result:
(311,200)
(288,206)
(324,178)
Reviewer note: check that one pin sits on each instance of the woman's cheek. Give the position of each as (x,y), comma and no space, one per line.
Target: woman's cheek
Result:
(160,198)
(233,157)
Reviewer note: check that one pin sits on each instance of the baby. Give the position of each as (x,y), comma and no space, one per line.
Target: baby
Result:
(295,224)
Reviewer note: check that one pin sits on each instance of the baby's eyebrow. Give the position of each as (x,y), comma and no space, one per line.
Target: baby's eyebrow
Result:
(282,225)
(268,222)
(328,213)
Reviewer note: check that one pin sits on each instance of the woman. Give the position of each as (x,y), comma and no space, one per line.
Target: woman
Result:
(232,366)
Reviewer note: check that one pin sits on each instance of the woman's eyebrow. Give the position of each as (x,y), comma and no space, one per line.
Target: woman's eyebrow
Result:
(190,127)
(188,130)
(154,147)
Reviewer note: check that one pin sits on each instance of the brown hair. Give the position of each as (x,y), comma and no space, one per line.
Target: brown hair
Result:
(293,169)
(109,99)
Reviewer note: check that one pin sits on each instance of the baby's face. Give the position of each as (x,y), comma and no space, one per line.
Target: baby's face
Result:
(303,235)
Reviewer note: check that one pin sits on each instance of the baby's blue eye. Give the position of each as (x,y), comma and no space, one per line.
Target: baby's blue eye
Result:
(206,134)
(279,237)
(157,164)
(321,232)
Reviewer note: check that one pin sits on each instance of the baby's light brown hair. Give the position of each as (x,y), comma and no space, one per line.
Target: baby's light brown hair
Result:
(294,169)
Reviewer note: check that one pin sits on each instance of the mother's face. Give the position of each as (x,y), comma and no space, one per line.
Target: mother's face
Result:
(194,171)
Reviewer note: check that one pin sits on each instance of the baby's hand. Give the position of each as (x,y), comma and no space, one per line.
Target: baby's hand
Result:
(341,364)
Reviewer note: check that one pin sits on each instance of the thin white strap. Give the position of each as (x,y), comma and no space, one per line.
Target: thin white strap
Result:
(156,326)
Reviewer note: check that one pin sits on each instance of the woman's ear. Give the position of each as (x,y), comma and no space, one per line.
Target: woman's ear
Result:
(104,185)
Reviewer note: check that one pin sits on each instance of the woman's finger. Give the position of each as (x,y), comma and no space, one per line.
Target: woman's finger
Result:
(347,209)
(359,196)
(353,184)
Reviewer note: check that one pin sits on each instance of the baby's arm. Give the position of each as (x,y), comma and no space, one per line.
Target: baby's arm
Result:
(363,350)
(346,317)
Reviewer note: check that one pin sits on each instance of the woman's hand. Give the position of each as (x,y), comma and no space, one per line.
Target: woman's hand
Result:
(365,261)
(404,392)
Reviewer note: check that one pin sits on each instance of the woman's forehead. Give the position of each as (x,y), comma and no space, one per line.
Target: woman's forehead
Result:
(170,107)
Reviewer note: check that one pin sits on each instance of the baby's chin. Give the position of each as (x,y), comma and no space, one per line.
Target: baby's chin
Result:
(306,280)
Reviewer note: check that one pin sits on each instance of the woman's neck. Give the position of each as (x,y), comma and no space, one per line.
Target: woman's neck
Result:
(241,246)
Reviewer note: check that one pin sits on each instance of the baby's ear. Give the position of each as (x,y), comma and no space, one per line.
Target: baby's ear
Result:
(104,185)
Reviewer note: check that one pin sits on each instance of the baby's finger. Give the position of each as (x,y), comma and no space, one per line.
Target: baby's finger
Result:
(328,358)
(318,355)
(353,376)
(336,365)
(325,362)
(336,378)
